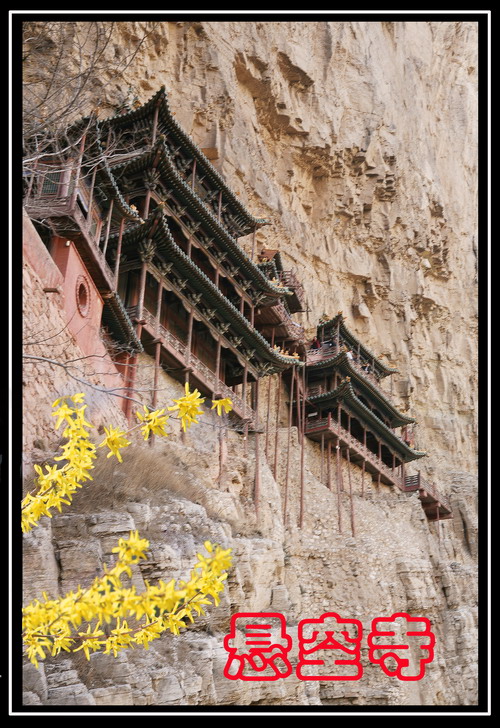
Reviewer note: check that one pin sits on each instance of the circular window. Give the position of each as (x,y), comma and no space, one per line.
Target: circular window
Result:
(83,295)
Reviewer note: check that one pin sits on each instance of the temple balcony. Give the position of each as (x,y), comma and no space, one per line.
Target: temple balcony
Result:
(276,318)
(436,506)
(181,360)
(67,199)
(327,428)
(297,301)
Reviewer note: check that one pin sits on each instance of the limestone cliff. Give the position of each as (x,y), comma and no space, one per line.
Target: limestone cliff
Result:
(357,140)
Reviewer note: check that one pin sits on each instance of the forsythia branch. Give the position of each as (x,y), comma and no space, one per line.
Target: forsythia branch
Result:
(57,485)
(55,624)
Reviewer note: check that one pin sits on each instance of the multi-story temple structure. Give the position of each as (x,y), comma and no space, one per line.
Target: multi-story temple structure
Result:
(346,406)
(155,229)
(145,232)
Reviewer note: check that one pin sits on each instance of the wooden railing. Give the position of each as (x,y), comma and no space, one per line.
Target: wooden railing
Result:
(200,369)
(330,425)
(416,482)
(290,280)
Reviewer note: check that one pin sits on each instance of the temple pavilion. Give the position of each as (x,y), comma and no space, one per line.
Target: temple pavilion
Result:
(347,407)
(157,229)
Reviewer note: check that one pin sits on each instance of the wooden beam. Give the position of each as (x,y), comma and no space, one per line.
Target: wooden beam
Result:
(353,527)
(302,449)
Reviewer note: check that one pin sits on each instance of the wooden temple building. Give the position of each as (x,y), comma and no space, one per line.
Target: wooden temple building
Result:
(146,232)
(157,228)
(346,407)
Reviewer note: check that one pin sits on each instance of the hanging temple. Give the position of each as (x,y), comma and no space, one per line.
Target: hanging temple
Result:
(143,224)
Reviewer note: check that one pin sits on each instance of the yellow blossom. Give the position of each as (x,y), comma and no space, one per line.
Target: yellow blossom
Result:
(115,439)
(189,407)
(222,403)
(153,422)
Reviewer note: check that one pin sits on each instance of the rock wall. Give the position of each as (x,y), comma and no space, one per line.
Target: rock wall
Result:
(358,141)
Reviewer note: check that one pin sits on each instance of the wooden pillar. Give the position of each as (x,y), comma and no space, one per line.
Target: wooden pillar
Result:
(329,465)
(219,211)
(194,175)
(108,227)
(353,527)
(322,453)
(339,476)
(155,122)
(242,304)
(190,336)
(276,434)
(91,195)
(380,458)
(253,242)
(118,252)
(268,417)
(302,449)
(287,475)
(217,359)
(252,314)
(78,170)
(257,454)
(154,398)
(244,398)
(142,286)
(338,336)
(145,207)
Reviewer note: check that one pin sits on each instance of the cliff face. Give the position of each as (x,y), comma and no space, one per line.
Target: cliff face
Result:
(358,141)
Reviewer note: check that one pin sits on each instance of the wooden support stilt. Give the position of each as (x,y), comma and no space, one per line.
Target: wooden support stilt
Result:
(257,453)
(339,477)
(155,123)
(322,453)
(287,475)
(363,478)
(329,465)
(276,433)
(244,398)
(353,527)
(219,211)
(302,449)
(268,418)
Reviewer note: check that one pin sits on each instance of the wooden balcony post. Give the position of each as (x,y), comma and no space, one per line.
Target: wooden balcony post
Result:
(77,170)
(268,407)
(155,122)
(217,359)
(142,286)
(118,252)
(91,194)
(108,226)
(219,211)
(194,174)
(154,398)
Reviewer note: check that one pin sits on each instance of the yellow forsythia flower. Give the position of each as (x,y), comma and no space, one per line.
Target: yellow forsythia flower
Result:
(115,439)
(189,407)
(222,403)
